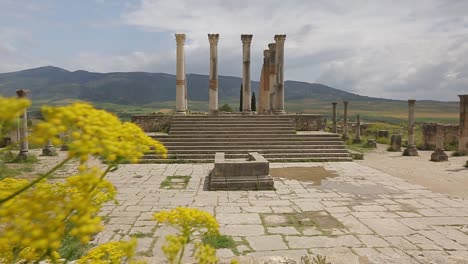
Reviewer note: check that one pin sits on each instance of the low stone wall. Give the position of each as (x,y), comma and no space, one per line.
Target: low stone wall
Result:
(450,133)
(305,122)
(153,123)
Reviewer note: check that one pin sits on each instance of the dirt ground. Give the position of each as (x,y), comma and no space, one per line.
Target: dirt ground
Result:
(449,177)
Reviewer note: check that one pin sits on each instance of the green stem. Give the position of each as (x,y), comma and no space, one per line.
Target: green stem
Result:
(38,179)
(102,176)
(181,254)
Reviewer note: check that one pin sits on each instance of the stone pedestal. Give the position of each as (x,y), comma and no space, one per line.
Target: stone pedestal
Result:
(357,138)
(463,138)
(334,117)
(279,105)
(246,84)
(371,143)
(213,96)
(345,121)
(49,150)
(181,101)
(395,143)
(439,155)
(410,150)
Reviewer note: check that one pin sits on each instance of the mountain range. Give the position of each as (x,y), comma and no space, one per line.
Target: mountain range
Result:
(139,88)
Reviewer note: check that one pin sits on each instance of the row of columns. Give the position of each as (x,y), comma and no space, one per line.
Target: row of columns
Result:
(272,79)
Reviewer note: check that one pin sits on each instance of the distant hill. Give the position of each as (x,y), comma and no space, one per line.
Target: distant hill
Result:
(136,88)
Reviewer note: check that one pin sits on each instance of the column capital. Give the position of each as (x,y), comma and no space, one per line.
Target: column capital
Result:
(180,38)
(213,38)
(411,101)
(272,46)
(280,38)
(266,54)
(334,103)
(345,102)
(22,93)
(246,38)
(463,96)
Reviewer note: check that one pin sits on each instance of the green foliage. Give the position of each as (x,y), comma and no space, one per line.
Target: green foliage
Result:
(383,140)
(168,184)
(219,241)
(459,153)
(72,248)
(316,260)
(29,159)
(226,108)
(253,102)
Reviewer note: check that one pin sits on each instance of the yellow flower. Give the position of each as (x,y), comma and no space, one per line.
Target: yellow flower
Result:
(10,110)
(111,253)
(92,132)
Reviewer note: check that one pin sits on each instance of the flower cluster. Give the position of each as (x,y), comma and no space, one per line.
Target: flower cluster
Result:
(111,253)
(10,109)
(32,225)
(92,132)
(190,222)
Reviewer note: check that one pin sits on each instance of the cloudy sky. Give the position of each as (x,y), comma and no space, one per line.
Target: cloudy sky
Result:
(395,49)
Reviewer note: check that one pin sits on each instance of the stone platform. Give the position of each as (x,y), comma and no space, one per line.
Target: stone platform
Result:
(359,216)
(252,174)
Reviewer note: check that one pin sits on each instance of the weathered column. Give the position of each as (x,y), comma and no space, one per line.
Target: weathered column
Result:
(213,104)
(24,146)
(279,109)
(272,75)
(357,138)
(410,150)
(181,103)
(463,137)
(264,89)
(439,153)
(246,100)
(334,117)
(345,121)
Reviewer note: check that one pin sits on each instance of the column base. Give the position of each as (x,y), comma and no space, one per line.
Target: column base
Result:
(279,112)
(23,155)
(49,151)
(410,151)
(439,155)
(213,112)
(247,112)
(181,113)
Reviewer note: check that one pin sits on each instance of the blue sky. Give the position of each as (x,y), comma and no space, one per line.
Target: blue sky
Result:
(394,49)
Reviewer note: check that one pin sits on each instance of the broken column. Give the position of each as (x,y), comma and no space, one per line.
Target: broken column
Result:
(334,117)
(246,101)
(272,75)
(24,146)
(49,149)
(213,99)
(395,143)
(410,150)
(264,89)
(345,121)
(439,153)
(463,138)
(357,138)
(181,104)
(279,91)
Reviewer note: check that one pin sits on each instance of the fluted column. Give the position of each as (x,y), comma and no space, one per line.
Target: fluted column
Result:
(334,117)
(264,90)
(24,144)
(411,150)
(246,40)
(181,103)
(345,121)
(280,39)
(272,75)
(213,104)
(463,139)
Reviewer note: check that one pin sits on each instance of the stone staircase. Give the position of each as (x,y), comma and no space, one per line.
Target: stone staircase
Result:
(198,138)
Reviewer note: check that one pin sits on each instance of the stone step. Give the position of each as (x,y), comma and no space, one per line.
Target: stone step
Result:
(244,137)
(232,121)
(232,132)
(229,155)
(252,148)
(232,117)
(243,129)
(211,160)
(250,126)
(254,142)
(259,150)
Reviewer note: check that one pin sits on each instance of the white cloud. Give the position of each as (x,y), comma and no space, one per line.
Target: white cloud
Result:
(378,48)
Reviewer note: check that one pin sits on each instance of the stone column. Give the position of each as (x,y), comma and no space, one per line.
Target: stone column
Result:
(334,117)
(463,137)
(246,40)
(410,150)
(357,138)
(264,89)
(49,149)
(272,75)
(345,121)
(213,104)
(279,105)
(181,105)
(24,145)
(439,153)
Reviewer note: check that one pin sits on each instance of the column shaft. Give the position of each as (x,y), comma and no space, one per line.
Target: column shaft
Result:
(246,84)
(411,122)
(334,117)
(463,137)
(345,121)
(24,144)
(181,97)
(272,76)
(213,94)
(280,39)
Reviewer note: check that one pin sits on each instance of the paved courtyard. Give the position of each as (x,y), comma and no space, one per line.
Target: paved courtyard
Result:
(359,216)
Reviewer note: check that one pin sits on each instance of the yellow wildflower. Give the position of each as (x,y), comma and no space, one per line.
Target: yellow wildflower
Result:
(111,253)
(10,110)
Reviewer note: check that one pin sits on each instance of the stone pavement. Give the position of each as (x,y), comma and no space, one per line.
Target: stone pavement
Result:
(360,216)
